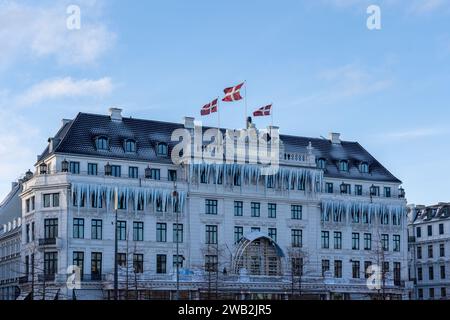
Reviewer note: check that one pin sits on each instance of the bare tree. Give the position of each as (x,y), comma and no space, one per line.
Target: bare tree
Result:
(299,258)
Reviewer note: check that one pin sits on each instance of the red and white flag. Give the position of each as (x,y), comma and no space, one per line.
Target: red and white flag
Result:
(263,111)
(209,108)
(233,93)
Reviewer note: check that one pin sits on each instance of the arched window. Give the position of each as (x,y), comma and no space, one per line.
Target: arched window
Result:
(364,167)
(162,149)
(130,145)
(343,165)
(321,163)
(101,143)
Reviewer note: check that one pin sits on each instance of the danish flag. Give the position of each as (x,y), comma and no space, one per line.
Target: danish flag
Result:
(209,108)
(233,93)
(263,111)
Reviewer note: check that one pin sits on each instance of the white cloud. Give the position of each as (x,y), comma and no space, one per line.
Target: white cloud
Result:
(413,134)
(40,31)
(64,88)
(426,6)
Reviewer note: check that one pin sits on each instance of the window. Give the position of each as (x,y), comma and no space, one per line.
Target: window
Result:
(96,265)
(161,232)
(130,145)
(47,200)
(442,271)
(430,230)
(211,234)
(238,208)
(273,234)
(255,209)
(418,232)
(358,190)
(55,198)
(296,237)
(50,263)
(296,212)
(367,271)
(78,228)
(419,274)
(237,179)
(419,252)
(272,210)
(96,229)
(337,240)
(321,163)
(172,175)
(338,268)
(178,233)
(396,242)
(430,251)
(101,143)
(387,192)
(27,205)
(27,233)
(356,269)
(50,228)
(355,241)
(92,169)
(211,206)
(441,228)
(442,249)
(155,174)
(203,177)
(367,241)
(78,260)
(133,172)
(364,167)
(211,263)
(420,293)
(385,242)
(32,231)
(297,266)
(385,267)
(325,266)
(33,203)
(343,165)
(121,230)
(238,234)
(116,171)
(346,188)
(431,293)
(122,259)
(138,263)
(138,231)
(180,260)
(329,187)
(443,292)
(161,263)
(162,149)
(74,167)
(397,273)
(325,239)
(430,273)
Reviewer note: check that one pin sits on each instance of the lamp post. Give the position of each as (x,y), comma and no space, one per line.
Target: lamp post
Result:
(116,270)
(175,195)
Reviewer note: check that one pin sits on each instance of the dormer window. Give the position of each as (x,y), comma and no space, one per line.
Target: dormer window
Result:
(162,149)
(102,143)
(130,145)
(364,167)
(321,163)
(343,166)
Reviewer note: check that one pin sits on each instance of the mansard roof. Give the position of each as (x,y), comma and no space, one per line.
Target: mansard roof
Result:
(78,137)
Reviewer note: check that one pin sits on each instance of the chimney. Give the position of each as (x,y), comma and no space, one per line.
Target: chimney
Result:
(189,122)
(64,122)
(115,114)
(335,138)
(52,143)
(250,124)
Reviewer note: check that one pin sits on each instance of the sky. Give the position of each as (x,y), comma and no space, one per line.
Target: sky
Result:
(315,60)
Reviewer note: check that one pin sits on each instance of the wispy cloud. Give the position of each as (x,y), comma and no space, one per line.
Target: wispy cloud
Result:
(427,6)
(413,134)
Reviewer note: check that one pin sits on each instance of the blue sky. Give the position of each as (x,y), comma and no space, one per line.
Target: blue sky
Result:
(315,60)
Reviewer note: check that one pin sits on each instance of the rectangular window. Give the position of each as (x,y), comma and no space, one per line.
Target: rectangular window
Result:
(133,172)
(385,267)
(255,209)
(27,265)
(338,240)
(96,229)
(430,230)
(430,251)
(296,238)
(138,231)
(55,198)
(431,293)
(442,249)
(96,265)
(155,174)
(385,242)
(211,263)
(74,167)
(238,234)
(172,175)
(396,238)
(441,228)
(78,260)
(211,234)
(375,191)
(355,241)
(33,202)
(358,190)
(238,208)
(211,206)
(325,239)
(138,263)
(443,292)
(329,187)
(296,212)
(272,210)
(387,192)
(419,273)
(122,259)
(121,230)
(50,263)
(367,241)
(47,200)
(116,171)
(420,293)
(419,252)
(32,231)
(356,269)
(325,267)
(367,272)
(430,273)
(178,233)
(397,273)
(27,205)
(418,232)
(92,169)
(297,266)
(180,260)
(161,232)
(27,233)
(161,263)
(338,268)
(442,271)
(273,234)
(78,228)
(50,228)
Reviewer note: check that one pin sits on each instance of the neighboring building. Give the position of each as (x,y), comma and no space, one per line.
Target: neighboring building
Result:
(429,251)
(330,212)
(10,240)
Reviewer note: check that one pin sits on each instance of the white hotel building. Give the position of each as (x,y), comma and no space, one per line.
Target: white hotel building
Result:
(313,229)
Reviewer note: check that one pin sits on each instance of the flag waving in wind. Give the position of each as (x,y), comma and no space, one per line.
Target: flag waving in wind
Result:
(233,93)
(263,111)
(209,108)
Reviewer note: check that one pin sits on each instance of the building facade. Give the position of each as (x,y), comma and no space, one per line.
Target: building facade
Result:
(429,251)
(312,229)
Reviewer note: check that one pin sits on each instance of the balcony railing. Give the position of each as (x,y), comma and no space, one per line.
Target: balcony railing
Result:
(47,242)
(46,277)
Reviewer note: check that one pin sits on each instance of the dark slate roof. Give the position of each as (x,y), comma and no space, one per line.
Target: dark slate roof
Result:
(78,137)
(11,206)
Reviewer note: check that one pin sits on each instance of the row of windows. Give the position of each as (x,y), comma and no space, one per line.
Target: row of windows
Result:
(367,241)
(343,165)
(431,273)
(431,251)
(130,146)
(358,190)
(430,230)
(356,269)
(431,293)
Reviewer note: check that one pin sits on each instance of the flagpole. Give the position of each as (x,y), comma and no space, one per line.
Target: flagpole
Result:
(245,103)
(271,114)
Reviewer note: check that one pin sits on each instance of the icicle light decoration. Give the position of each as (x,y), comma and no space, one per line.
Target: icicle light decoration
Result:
(89,194)
(284,179)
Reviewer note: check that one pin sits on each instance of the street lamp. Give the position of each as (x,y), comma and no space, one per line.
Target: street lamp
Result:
(108,169)
(43,168)
(373,192)
(148,172)
(65,166)
(343,188)
(401,193)
(175,196)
